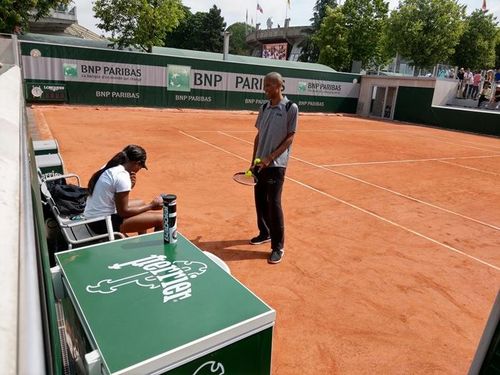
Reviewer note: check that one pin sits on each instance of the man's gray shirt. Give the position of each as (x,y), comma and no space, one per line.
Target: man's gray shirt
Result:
(274,124)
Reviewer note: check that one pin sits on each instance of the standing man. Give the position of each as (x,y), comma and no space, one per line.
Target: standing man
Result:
(276,125)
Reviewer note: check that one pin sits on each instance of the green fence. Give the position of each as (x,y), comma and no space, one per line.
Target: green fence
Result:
(413,104)
(99,76)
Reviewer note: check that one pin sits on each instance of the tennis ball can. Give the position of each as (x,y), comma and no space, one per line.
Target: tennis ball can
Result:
(169,218)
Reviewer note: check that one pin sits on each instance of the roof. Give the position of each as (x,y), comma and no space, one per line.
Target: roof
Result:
(179,53)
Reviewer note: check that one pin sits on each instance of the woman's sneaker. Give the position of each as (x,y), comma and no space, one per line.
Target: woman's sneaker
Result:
(260,239)
(276,256)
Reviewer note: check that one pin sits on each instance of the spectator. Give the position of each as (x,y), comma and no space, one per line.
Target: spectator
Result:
(485,94)
(476,80)
(468,80)
(460,77)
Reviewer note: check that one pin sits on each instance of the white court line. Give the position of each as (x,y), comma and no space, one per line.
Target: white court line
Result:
(357,130)
(395,224)
(409,160)
(383,188)
(472,143)
(453,143)
(468,167)
(357,208)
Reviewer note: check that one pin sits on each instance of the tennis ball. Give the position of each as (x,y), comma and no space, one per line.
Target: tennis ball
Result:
(248,173)
(257,161)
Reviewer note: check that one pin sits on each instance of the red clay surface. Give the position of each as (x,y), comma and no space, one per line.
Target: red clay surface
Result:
(392,244)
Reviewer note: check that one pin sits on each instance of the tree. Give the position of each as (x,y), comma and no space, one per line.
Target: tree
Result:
(332,41)
(352,31)
(181,36)
(476,48)
(212,27)
(237,41)
(141,23)
(426,31)
(200,31)
(310,51)
(19,12)
(365,21)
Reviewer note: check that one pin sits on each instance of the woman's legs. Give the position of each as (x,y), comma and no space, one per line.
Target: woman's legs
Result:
(142,222)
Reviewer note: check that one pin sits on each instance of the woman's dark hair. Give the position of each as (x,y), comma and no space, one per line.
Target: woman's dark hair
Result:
(129,153)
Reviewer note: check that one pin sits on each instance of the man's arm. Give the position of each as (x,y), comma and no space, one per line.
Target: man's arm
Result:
(255,144)
(278,151)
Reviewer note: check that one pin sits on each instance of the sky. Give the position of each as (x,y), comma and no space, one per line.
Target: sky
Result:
(300,11)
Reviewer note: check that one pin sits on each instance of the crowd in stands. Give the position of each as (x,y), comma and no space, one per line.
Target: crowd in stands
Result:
(277,51)
(481,86)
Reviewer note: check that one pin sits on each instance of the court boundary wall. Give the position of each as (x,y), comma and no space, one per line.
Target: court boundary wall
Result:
(423,100)
(29,338)
(182,79)
(21,342)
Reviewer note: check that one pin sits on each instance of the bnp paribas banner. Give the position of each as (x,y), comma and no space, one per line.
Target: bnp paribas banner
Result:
(174,85)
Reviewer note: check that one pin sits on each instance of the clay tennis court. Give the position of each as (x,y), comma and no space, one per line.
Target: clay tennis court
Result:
(392,258)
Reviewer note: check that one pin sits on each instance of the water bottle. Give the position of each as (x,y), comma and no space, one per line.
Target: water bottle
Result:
(169,218)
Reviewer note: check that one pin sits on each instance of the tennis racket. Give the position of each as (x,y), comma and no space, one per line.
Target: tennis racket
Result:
(247,177)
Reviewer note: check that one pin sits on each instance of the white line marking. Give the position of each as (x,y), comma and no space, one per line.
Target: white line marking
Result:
(212,145)
(395,224)
(467,167)
(385,189)
(409,160)
(437,139)
(357,208)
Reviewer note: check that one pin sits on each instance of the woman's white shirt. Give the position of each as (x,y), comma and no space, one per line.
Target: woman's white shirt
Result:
(102,201)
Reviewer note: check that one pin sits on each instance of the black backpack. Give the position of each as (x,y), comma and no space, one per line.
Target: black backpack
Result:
(287,105)
(69,199)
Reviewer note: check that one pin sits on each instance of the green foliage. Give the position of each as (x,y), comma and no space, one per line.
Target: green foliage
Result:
(213,26)
(332,40)
(18,12)
(353,31)
(182,34)
(426,31)
(476,49)
(320,10)
(310,51)
(200,31)
(365,21)
(141,23)
(237,41)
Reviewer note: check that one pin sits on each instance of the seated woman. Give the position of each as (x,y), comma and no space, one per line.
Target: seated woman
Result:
(109,190)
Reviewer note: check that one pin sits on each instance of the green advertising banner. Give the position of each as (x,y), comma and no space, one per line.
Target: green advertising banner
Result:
(99,76)
(46,92)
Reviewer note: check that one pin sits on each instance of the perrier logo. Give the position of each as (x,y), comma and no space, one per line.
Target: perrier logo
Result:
(70,70)
(154,272)
(179,78)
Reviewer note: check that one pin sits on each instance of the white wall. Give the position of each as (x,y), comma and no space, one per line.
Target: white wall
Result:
(445,91)
(10,96)
(368,81)
(21,342)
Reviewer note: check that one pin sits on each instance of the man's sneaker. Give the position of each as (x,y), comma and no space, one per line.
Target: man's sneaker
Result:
(260,239)
(276,256)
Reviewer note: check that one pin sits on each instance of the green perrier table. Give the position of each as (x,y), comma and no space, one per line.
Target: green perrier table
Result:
(139,306)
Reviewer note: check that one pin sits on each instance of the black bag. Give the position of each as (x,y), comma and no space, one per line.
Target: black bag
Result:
(69,199)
